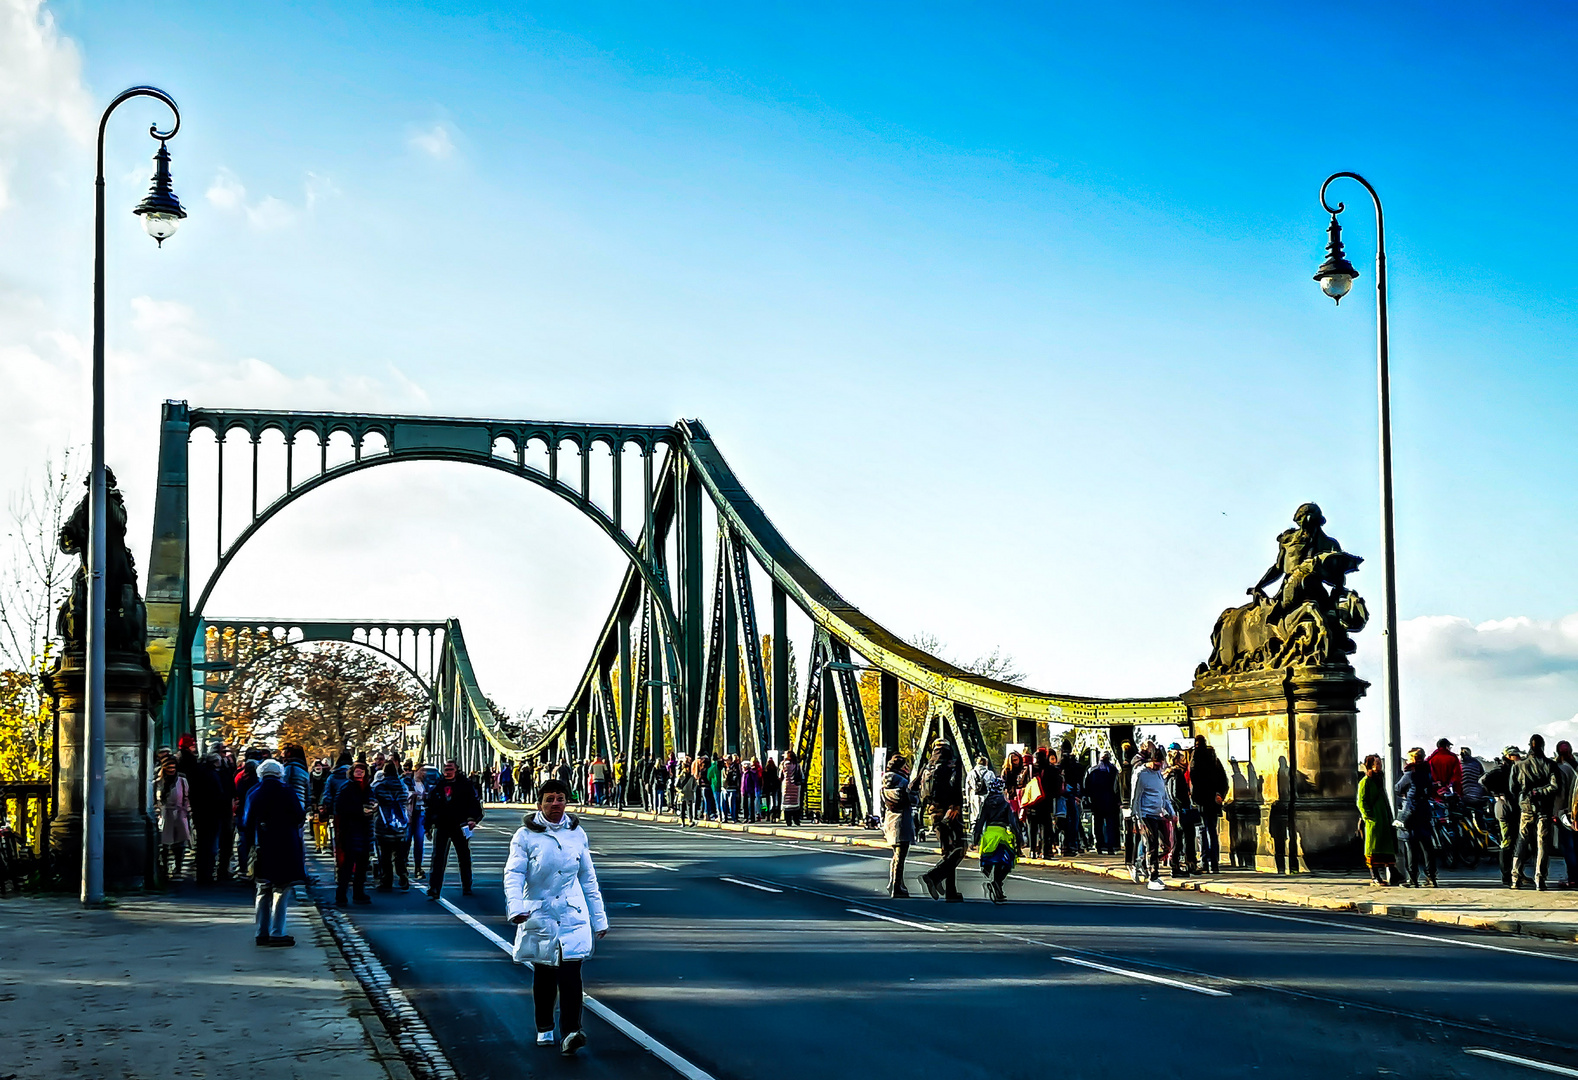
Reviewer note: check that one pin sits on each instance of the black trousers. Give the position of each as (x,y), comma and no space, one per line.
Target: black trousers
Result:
(562,982)
(351,873)
(443,836)
(950,837)
(1418,853)
(392,854)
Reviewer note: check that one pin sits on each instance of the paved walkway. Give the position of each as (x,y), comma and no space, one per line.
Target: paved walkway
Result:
(1471,899)
(168,987)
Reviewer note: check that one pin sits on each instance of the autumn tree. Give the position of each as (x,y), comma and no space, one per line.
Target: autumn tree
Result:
(35,576)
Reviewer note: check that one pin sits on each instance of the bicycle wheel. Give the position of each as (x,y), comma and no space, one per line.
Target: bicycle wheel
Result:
(1444,849)
(1468,850)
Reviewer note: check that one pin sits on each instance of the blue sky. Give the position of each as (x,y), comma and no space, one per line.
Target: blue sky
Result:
(1004,314)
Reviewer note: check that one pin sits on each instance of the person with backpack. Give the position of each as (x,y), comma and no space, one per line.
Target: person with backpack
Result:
(353,835)
(1415,790)
(999,838)
(975,785)
(942,797)
(792,782)
(1496,782)
(392,828)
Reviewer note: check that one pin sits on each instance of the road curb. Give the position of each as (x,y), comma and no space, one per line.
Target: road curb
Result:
(401,1039)
(1279,894)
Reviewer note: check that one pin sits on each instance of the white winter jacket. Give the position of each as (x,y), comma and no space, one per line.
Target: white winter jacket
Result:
(549,879)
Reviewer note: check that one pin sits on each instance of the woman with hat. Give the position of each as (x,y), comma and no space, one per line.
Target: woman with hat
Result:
(271,818)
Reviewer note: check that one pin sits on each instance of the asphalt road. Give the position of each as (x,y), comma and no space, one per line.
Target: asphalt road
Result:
(807,975)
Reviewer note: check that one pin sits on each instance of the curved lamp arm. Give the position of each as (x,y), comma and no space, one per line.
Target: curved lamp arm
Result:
(1380,221)
(153,129)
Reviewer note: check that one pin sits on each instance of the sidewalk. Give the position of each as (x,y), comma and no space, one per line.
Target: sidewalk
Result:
(1475,900)
(173,986)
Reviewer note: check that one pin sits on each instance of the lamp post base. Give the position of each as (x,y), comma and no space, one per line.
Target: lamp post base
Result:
(131,688)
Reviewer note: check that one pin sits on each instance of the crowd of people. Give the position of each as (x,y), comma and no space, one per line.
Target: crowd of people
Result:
(1531,797)
(1159,807)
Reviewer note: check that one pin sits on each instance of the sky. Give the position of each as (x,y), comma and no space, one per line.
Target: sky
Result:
(1003,314)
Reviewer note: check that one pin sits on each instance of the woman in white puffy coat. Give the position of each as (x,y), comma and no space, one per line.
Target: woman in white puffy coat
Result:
(553,898)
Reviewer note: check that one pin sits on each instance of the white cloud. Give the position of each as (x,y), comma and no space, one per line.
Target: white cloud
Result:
(229,194)
(1488,684)
(434,142)
(41,92)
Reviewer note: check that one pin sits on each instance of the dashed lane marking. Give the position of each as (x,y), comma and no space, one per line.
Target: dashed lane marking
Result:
(750,884)
(902,922)
(1527,1063)
(1209,991)
(635,1034)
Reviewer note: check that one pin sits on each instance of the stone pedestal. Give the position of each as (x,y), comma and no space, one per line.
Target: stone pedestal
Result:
(1301,722)
(131,692)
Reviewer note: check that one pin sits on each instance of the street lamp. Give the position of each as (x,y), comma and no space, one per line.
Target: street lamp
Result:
(161,213)
(1336,277)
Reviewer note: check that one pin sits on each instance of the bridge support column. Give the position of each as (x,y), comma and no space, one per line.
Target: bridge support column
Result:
(781,688)
(131,694)
(888,721)
(731,673)
(830,730)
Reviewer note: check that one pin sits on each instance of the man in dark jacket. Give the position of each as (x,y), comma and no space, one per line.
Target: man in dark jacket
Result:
(1101,791)
(1534,786)
(1496,783)
(1208,790)
(272,817)
(210,815)
(942,797)
(453,810)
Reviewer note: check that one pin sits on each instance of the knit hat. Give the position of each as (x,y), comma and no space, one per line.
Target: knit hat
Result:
(270,768)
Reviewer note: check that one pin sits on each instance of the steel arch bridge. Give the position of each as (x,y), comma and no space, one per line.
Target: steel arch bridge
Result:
(668,669)
(459,722)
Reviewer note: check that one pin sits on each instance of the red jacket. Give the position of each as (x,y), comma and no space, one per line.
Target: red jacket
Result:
(1447,769)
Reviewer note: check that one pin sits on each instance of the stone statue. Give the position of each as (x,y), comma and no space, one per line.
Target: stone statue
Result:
(1309,619)
(125,617)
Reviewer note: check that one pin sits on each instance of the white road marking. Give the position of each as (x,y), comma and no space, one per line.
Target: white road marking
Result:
(636,1035)
(1527,1063)
(1127,974)
(750,884)
(892,919)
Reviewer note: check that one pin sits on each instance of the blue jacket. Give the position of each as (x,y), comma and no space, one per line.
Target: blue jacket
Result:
(392,822)
(1150,795)
(273,816)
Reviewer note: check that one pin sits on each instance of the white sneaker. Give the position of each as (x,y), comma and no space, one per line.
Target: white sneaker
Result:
(1155,885)
(545,1038)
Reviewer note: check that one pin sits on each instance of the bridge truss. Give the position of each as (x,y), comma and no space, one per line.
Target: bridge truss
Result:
(682,660)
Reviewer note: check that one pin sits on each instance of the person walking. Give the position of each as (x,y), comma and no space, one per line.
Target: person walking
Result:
(354,808)
(975,785)
(1208,792)
(793,788)
(715,787)
(685,788)
(1497,783)
(1375,811)
(750,789)
(898,820)
(392,828)
(507,780)
(416,782)
(942,795)
(1415,789)
(1568,770)
(658,778)
(1183,861)
(998,837)
(772,790)
(454,810)
(1073,792)
(1534,787)
(551,894)
(1153,808)
(272,817)
(1101,791)
(731,788)
(172,796)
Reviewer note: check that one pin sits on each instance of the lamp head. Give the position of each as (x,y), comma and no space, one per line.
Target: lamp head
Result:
(160,211)
(1336,274)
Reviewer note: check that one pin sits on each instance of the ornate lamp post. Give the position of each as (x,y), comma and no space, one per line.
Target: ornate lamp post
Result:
(161,213)
(1336,277)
